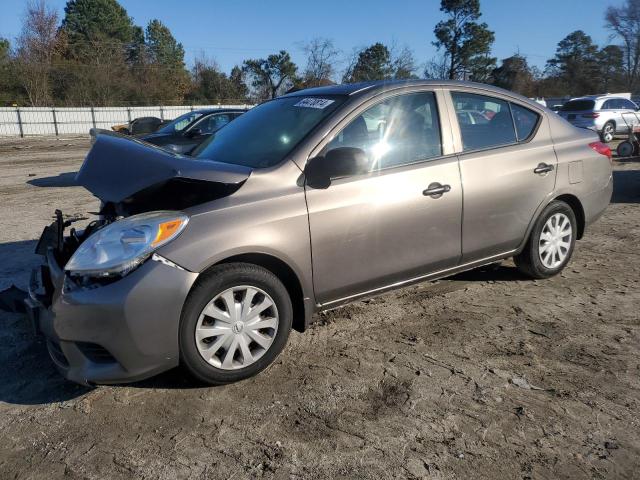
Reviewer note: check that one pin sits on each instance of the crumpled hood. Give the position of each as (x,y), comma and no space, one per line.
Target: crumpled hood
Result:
(117,167)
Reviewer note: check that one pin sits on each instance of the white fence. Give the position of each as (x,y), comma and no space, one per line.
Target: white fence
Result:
(61,121)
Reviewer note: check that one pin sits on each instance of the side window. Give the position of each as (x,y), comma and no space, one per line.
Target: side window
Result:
(497,130)
(525,120)
(608,105)
(398,131)
(628,105)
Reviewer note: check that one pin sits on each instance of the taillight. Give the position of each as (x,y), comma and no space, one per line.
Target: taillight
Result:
(602,149)
(591,115)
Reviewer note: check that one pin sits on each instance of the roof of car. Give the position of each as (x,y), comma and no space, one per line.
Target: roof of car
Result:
(205,111)
(598,97)
(383,85)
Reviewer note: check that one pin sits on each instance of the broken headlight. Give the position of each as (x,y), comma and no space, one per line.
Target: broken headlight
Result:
(121,246)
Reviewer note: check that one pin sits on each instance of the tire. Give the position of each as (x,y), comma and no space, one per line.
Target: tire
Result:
(625,149)
(248,288)
(608,132)
(537,259)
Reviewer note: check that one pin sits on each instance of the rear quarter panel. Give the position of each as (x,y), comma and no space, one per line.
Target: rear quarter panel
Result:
(582,172)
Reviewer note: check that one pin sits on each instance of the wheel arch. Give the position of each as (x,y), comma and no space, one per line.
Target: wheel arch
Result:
(578,210)
(286,274)
(574,203)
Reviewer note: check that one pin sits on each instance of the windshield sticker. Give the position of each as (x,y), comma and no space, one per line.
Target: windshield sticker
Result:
(314,103)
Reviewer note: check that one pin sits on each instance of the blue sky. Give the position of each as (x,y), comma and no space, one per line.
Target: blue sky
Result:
(231,31)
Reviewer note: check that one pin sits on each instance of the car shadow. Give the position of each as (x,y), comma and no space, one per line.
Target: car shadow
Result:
(490,273)
(67,179)
(626,186)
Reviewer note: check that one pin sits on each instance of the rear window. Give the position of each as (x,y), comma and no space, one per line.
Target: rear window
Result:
(578,105)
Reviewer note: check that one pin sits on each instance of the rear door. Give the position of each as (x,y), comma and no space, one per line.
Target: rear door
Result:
(373,230)
(507,168)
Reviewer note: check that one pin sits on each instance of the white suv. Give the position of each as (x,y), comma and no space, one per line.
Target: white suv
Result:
(603,114)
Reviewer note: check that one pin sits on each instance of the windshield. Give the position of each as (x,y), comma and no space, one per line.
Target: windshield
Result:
(264,135)
(180,123)
(578,105)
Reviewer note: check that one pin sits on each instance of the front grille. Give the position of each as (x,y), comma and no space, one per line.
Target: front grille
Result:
(56,354)
(96,353)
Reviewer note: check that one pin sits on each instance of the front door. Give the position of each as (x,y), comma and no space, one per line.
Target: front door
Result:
(397,222)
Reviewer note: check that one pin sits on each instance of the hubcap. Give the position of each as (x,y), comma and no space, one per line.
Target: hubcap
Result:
(237,327)
(608,133)
(555,240)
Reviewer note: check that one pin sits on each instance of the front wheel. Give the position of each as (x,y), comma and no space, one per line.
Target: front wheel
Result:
(550,243)
(235,322)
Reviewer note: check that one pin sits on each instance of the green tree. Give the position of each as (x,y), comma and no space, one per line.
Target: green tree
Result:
(480,68)
(611,66)
(160,70)
(10,89)
(102,46)
(271,76)
(238,88)
(465,41)
(576,64)
(210,85)
(515,74)
(162,47)
(88,23)
(373,63)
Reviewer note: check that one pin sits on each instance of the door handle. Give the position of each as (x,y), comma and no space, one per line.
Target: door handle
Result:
(436,190)
(543,168)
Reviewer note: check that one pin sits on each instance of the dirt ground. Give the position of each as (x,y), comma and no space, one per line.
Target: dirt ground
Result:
(484,375)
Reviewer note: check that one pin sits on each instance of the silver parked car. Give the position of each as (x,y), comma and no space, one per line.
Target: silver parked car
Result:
(305,203)
(605,114)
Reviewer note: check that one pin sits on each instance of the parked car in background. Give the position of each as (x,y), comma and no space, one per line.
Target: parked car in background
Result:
(189,130)
(139,126)
(306,202)
(600,113)
(471,117)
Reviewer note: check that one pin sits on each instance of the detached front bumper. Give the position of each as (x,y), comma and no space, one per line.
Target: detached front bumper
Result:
(116,333)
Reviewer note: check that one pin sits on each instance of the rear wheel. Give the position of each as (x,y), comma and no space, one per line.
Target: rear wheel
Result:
(550,243)
(234,324)
(608,132)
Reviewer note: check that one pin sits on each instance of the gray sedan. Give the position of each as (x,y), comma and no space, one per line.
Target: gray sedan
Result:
(302,204)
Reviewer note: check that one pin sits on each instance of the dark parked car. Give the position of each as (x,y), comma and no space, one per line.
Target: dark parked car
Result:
(189,130)
(139,126)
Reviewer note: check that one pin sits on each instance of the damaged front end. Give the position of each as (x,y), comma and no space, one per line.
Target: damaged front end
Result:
(130,176)
(90,296)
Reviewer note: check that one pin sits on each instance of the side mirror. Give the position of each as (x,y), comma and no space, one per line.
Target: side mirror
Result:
(194,132)
(339,162)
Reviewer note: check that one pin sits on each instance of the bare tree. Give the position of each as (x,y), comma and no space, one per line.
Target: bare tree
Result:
(322,57)
(437,68)
(403,62)
(37,47)
(624,22)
